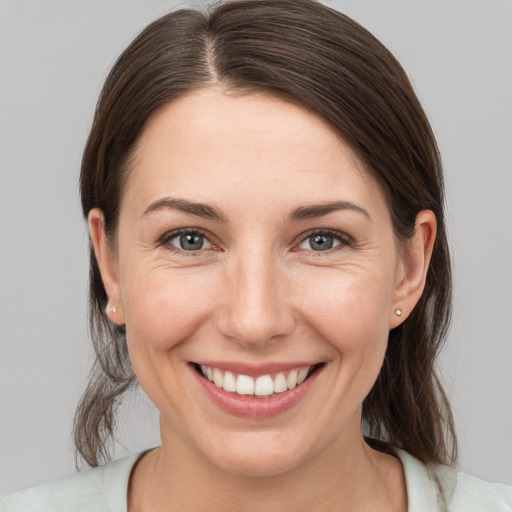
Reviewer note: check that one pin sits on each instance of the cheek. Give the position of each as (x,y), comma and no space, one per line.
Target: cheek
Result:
(164,308)
(352,311)
(163,312)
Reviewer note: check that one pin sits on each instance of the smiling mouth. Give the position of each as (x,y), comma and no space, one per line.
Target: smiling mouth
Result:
(262,386)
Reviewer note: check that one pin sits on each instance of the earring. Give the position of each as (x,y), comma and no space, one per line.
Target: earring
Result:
(398,312)
(113,309)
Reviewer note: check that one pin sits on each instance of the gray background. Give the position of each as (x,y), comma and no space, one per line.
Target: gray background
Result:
(54,56)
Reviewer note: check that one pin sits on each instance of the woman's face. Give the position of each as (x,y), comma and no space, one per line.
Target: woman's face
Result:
(252,242)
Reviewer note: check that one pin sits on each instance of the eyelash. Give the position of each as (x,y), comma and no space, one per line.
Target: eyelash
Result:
(343,239)
(165,240)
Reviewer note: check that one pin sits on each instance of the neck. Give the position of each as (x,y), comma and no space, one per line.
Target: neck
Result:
(346,475)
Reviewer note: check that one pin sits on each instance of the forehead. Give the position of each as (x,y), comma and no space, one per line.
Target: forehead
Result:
(209,145)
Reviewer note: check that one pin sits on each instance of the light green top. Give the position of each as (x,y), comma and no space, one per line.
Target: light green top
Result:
(104,489)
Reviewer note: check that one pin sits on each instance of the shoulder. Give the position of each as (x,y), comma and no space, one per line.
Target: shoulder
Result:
(443,489)
(101,489)
(475,494)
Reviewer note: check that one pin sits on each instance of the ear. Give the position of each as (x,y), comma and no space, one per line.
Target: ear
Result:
(413,267)
(107,263)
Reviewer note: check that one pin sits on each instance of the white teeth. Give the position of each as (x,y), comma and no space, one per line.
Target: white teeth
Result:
(291,380)
(264,386)
(217,378)
(229,382)
(301,376)
(280,383)
(245,385)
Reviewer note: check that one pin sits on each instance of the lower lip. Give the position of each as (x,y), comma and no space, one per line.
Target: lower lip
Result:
(256,407)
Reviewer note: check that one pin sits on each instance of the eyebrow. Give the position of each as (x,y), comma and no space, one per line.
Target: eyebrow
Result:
(212,212)
(182,205)
(319,210)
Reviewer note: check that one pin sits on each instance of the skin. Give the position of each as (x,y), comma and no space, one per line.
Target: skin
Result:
(258,292)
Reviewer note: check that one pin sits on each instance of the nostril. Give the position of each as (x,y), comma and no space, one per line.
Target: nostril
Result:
(255,326)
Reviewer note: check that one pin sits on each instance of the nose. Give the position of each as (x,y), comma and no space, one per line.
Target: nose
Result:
(255,311)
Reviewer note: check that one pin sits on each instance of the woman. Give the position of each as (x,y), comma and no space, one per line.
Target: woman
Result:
(269,261)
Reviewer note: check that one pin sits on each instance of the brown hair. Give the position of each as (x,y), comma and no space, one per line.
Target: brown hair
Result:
(309,54)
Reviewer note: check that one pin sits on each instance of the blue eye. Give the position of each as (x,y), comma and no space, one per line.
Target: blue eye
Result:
(321,242)
(189,241)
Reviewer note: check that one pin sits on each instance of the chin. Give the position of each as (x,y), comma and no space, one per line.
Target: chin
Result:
(256,463)
(256,454)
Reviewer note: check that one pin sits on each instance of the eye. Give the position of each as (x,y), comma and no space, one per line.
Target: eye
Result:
(189,241)
(323,241)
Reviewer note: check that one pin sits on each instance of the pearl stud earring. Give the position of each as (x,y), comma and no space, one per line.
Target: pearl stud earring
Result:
(113,309)
(398,312)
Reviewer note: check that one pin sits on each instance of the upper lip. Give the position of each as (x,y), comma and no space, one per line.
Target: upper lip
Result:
(255,370)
